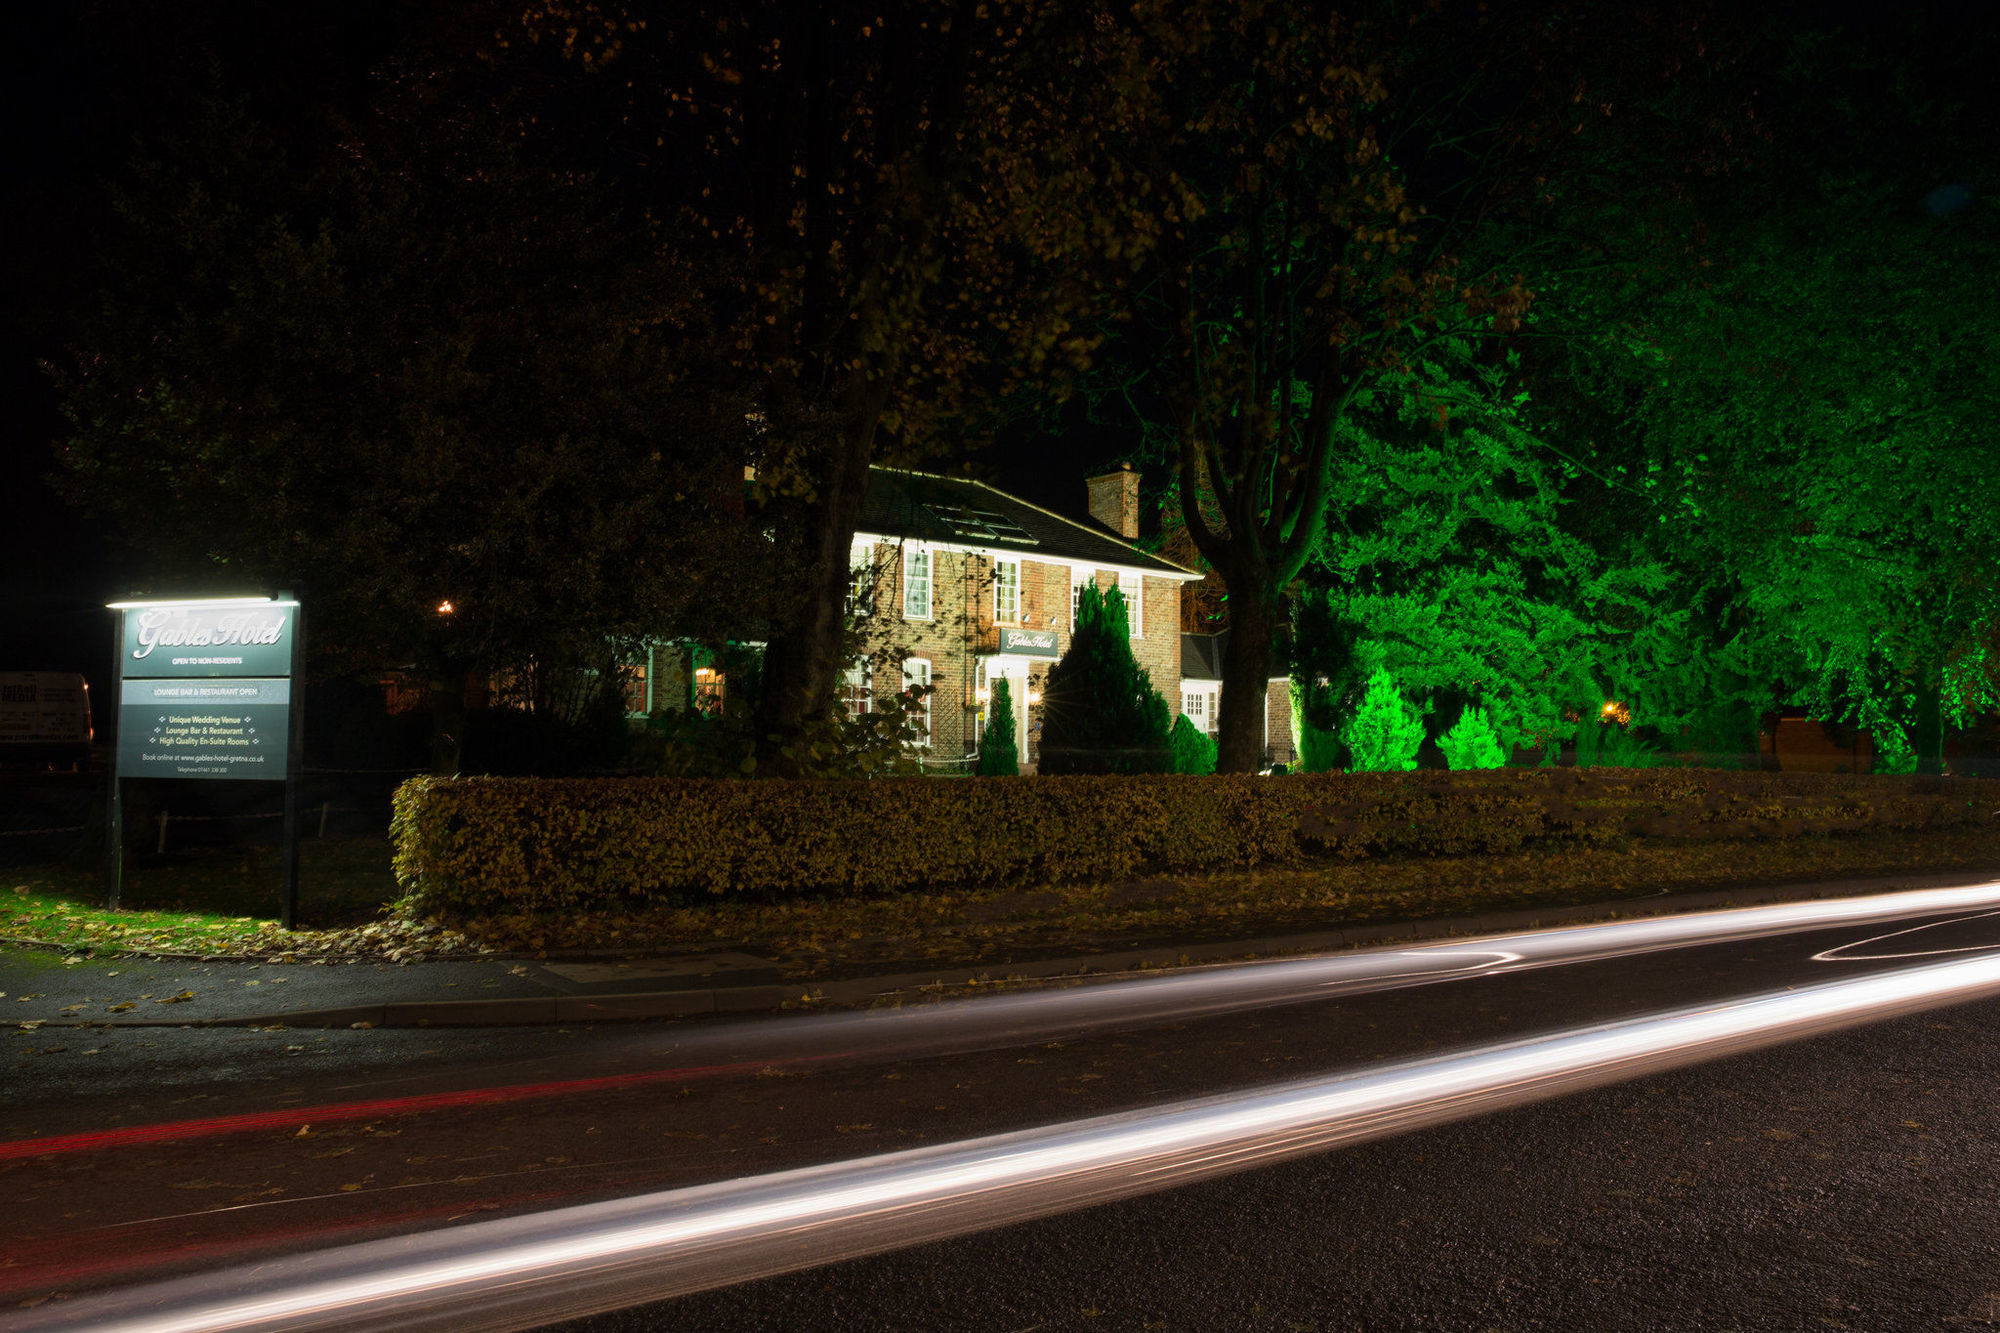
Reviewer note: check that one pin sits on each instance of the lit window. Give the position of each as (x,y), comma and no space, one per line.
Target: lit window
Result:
(1077,578)
(1130,587)
(634,677)
(855,698)
(708,690)
(916,584)
(917,676)
(1007,591)
(1194,704)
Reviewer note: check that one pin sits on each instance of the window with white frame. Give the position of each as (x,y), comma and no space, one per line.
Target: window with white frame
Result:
(1199,706)
(861,579)
(916,583)
(1007,592)
(1132,588)
(855,685)
(1077,578)
(917,675)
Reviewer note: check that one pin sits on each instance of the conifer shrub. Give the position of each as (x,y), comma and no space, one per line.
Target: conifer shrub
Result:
(1100,712)
(1194,750)
(1471,742)
(998,755)
(1386,731)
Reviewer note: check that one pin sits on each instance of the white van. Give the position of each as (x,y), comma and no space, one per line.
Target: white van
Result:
(44,718)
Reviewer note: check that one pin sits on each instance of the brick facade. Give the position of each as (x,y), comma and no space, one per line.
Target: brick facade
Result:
(962,629)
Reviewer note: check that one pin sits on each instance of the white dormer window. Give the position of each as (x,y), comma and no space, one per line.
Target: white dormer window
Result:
(1007,592)
(916,583)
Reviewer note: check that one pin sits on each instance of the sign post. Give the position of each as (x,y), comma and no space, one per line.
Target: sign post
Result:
(205,691)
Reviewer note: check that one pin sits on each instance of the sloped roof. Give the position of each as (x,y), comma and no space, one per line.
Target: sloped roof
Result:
(1201,656)
(954,511)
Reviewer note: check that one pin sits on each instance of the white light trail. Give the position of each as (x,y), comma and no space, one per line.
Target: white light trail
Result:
(528,1271)
(1185,994)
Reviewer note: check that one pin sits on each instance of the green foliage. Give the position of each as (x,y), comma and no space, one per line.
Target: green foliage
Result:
(1194,749)
(1608,745)
(1316,742)
(1100,712)
(486,844)
(1470,743)
(998,755)
(1386,731)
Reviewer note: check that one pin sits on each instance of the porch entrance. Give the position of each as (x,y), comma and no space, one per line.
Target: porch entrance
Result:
(1015,670)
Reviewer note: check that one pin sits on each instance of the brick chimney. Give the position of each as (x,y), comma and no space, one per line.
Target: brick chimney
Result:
(1114,501)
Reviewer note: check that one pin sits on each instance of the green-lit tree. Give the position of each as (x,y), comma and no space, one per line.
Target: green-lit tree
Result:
(1470,743)
(1387,730)
(1100,712)
(998,755)
(1809,396)
(1194,749)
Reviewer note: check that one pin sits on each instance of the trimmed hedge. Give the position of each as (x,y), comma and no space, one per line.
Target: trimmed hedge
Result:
(483,844)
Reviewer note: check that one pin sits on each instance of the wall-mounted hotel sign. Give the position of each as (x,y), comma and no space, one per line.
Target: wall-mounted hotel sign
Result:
(205,691)
(1029,642)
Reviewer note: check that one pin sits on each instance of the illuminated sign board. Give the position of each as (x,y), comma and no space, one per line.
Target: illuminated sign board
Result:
(233,728)
(1029,642)
(205,688)
(215,639)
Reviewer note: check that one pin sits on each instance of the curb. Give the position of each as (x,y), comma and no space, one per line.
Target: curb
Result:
(549,1010)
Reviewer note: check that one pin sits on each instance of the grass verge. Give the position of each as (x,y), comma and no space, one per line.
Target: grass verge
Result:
(222,902)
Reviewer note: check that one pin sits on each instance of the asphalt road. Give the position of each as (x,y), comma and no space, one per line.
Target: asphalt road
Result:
(612,1112)
(1843,1182)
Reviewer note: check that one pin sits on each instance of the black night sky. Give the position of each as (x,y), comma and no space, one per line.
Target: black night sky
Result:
(82,80)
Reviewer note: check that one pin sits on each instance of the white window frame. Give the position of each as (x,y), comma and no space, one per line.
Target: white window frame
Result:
(1077,578)
(911,556)
(1003,613)
(1135,603)
(860,679)
(914,678)
(861,579)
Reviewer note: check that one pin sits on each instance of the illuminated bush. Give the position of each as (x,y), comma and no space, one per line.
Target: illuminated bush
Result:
(998,757)
(1194,749)
(1471,743)
(1100,712)
(1386,730)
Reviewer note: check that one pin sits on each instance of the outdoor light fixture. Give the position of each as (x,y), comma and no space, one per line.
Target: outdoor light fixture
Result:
(982,694)
(148,604)
(445,608)
(1034,696)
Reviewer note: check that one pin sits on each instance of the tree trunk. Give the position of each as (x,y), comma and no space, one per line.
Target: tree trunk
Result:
(1927,729)
(1246,680)
(447,699)
(803,660)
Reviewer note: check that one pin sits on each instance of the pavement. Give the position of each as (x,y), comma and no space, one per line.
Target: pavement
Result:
(44,987)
